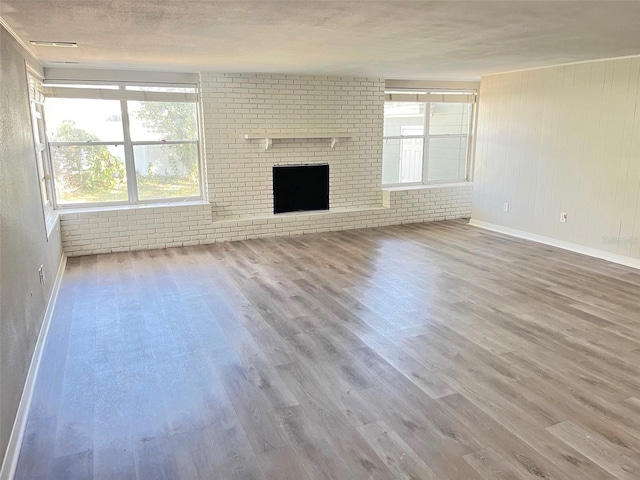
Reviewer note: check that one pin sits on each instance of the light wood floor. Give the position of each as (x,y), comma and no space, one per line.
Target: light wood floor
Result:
(434,351)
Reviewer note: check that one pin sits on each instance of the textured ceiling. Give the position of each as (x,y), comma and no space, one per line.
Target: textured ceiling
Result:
(389,39)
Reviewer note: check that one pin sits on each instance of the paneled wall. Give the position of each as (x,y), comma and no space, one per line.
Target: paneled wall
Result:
(563,139)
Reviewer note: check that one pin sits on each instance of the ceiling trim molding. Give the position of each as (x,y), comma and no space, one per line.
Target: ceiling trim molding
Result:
(568,64)
(17,38)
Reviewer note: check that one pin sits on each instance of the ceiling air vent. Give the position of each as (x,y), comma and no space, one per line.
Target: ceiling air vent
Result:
(40,43)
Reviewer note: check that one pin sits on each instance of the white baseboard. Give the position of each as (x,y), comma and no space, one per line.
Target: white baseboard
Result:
(19,425)
(573,247)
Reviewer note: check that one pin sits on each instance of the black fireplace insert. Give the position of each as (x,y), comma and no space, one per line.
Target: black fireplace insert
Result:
(299,188)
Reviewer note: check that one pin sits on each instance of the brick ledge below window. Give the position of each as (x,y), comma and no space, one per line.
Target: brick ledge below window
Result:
(400,188)
(140,206)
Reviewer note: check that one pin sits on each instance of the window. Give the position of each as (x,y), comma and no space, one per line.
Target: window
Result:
(425,141)
(129,144)
(36,102)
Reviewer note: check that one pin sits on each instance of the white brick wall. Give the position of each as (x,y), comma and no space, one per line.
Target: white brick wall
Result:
(238,172)
(159,227)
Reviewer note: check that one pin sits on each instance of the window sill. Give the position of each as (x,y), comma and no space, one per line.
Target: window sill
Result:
(51,222)
(115,208)
(400,188)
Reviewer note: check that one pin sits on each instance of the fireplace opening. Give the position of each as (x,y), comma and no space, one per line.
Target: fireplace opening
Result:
(300,188)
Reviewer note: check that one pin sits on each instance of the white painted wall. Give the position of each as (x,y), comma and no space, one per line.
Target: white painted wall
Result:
(239,172)
(24,246)
(563,139)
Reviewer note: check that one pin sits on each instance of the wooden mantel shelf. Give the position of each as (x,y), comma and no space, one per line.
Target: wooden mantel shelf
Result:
(268,138)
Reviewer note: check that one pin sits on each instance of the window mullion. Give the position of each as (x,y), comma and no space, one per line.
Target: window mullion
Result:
(130,165)
(470,146)
(425,144)
(46,156)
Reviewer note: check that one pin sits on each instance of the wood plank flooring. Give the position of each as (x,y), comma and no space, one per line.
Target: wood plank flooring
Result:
(429,351)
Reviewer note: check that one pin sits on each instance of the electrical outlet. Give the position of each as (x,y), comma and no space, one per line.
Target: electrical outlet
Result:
(563,217)
(41,274)
(505,207)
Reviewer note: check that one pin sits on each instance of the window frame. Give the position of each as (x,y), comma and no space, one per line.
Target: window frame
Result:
(106,91)
(465,97)
(41,149)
